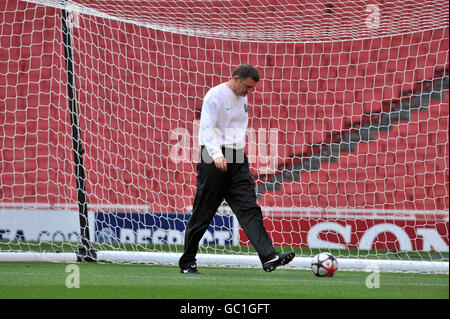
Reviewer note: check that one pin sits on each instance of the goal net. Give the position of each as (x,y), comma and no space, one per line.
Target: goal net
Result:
(347,139)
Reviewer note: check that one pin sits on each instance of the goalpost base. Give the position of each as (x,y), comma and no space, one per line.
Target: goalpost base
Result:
(221,260)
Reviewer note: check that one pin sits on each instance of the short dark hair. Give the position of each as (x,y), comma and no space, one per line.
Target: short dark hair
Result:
(246,70)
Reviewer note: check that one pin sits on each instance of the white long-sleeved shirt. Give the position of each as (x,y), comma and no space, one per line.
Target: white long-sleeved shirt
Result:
(223,120)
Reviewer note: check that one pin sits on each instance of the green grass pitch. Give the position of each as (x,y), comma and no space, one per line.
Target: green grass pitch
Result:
(105,281)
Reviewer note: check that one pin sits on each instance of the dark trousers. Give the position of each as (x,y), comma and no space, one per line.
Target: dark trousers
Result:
(237,187)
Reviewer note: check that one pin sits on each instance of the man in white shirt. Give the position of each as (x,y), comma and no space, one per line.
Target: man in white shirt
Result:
(223,171)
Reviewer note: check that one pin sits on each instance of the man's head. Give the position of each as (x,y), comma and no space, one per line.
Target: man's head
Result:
(244,80)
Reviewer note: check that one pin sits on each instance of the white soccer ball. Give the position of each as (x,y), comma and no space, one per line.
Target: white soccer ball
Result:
(324,265)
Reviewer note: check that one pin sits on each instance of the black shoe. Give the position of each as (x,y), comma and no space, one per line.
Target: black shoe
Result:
(190,270)
(278,260)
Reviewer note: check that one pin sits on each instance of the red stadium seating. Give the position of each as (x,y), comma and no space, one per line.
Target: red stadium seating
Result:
(132,92)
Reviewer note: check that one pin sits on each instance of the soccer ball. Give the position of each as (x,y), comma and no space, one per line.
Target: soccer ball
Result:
(324,265)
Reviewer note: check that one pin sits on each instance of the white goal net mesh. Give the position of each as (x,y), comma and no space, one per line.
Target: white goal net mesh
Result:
(348,127)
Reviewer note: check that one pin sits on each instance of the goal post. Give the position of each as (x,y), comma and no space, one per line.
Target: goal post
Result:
(347,139)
